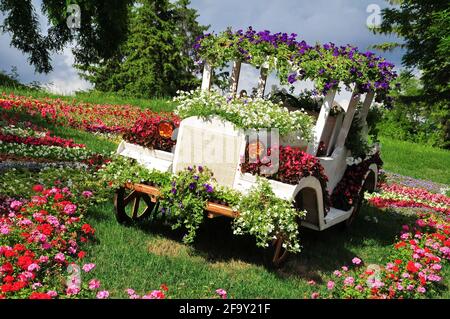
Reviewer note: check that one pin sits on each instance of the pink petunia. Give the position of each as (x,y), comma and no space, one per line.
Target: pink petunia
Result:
(88,267)
(315,295)
(94,284)
(330,285)
(356,261)
(104,294)
(222,293)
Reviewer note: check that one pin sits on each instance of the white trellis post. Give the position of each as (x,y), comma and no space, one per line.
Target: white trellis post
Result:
(366,105)
(348,119)
(262,80)
(321,122)
(235,77)
(207,76)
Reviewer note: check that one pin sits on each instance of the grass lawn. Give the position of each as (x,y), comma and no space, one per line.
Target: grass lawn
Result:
(144,256)
(418,161)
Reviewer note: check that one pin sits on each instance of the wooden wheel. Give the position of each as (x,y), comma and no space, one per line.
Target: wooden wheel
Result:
(276,254)
(358,205)
(131,205)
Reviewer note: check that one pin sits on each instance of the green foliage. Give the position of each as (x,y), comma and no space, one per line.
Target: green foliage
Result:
(414,117)
(265,216)
(156,60)
(425,28)
(10,80)
(103,27)
(184,196)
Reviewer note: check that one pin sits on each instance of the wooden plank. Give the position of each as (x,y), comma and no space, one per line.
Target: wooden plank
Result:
(348,119)
(235,73)
(262,81)
(207,76)
(321,122)
(212,208)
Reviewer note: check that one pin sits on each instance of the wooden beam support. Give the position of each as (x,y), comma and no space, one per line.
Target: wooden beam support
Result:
(262,81)
(366,105)
(348,119)
(207,77)
(236,71)
(321,122)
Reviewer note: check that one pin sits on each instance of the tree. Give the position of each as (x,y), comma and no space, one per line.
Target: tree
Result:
(157,58)
(103,27)
(424,25)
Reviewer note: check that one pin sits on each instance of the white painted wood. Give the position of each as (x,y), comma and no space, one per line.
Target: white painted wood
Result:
(151,159)
(207,77)
(366,106)
(244,182)
(321,122)
(213,143)
(335,134)
(262,81)
(336,216)
(314,183)
(235,73)
(348,119)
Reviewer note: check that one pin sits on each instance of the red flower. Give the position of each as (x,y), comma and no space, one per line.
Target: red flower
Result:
(164,287)
(411,267)
(81,254)
(400,244)
(38,188)
(398,261)
(39,295)
(87,229)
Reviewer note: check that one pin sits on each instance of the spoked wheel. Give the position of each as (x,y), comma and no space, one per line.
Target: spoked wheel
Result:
(357,207)
(276,254)
(132,206)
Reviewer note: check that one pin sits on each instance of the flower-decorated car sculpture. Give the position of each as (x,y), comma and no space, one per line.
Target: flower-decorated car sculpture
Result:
(309,176)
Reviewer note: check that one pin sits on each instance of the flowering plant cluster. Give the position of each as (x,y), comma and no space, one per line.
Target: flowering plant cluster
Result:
(86,116)
(39,239)
(327,64)
(46,140)
(265,216)
(294,164)
(184,197)
(145,132)
(395,195)
(244,113)
(346,192)
(413,270)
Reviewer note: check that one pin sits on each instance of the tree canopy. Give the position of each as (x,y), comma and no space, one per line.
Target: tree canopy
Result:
(157,58)
(103,27)
(424,27)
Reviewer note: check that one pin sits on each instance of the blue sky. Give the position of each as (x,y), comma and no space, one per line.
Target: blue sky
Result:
(338,21)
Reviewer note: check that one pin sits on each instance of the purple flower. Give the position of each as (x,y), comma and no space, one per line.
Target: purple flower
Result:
(208,188)
(292,78)
(192,186)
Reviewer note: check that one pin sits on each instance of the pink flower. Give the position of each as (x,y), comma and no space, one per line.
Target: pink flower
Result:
(59,257)
(155,294)
(410,287)
(337,273)
(330,285)
(130,291)
(88,267)
(52,293)
(4,230)
(349,281)
(15,205)
(104,294)
(33,267)
(421,223)
(36,285)
(344,268)
(222,293)
(436,267)
(69,209)
(421,290)
(315,295)
(72,290)
(94,284)
(311,282)
(434,277)
(356,261)
(87,194)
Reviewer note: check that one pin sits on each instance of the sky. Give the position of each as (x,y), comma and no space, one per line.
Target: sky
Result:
(339,21)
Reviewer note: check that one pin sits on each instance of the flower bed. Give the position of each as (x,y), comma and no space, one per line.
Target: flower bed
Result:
(86,116)
(395,195)
(147,132)
(294,164)
(413,269)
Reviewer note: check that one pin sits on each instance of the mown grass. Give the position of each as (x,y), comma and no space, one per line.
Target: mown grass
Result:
(418,161)
(157,105)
